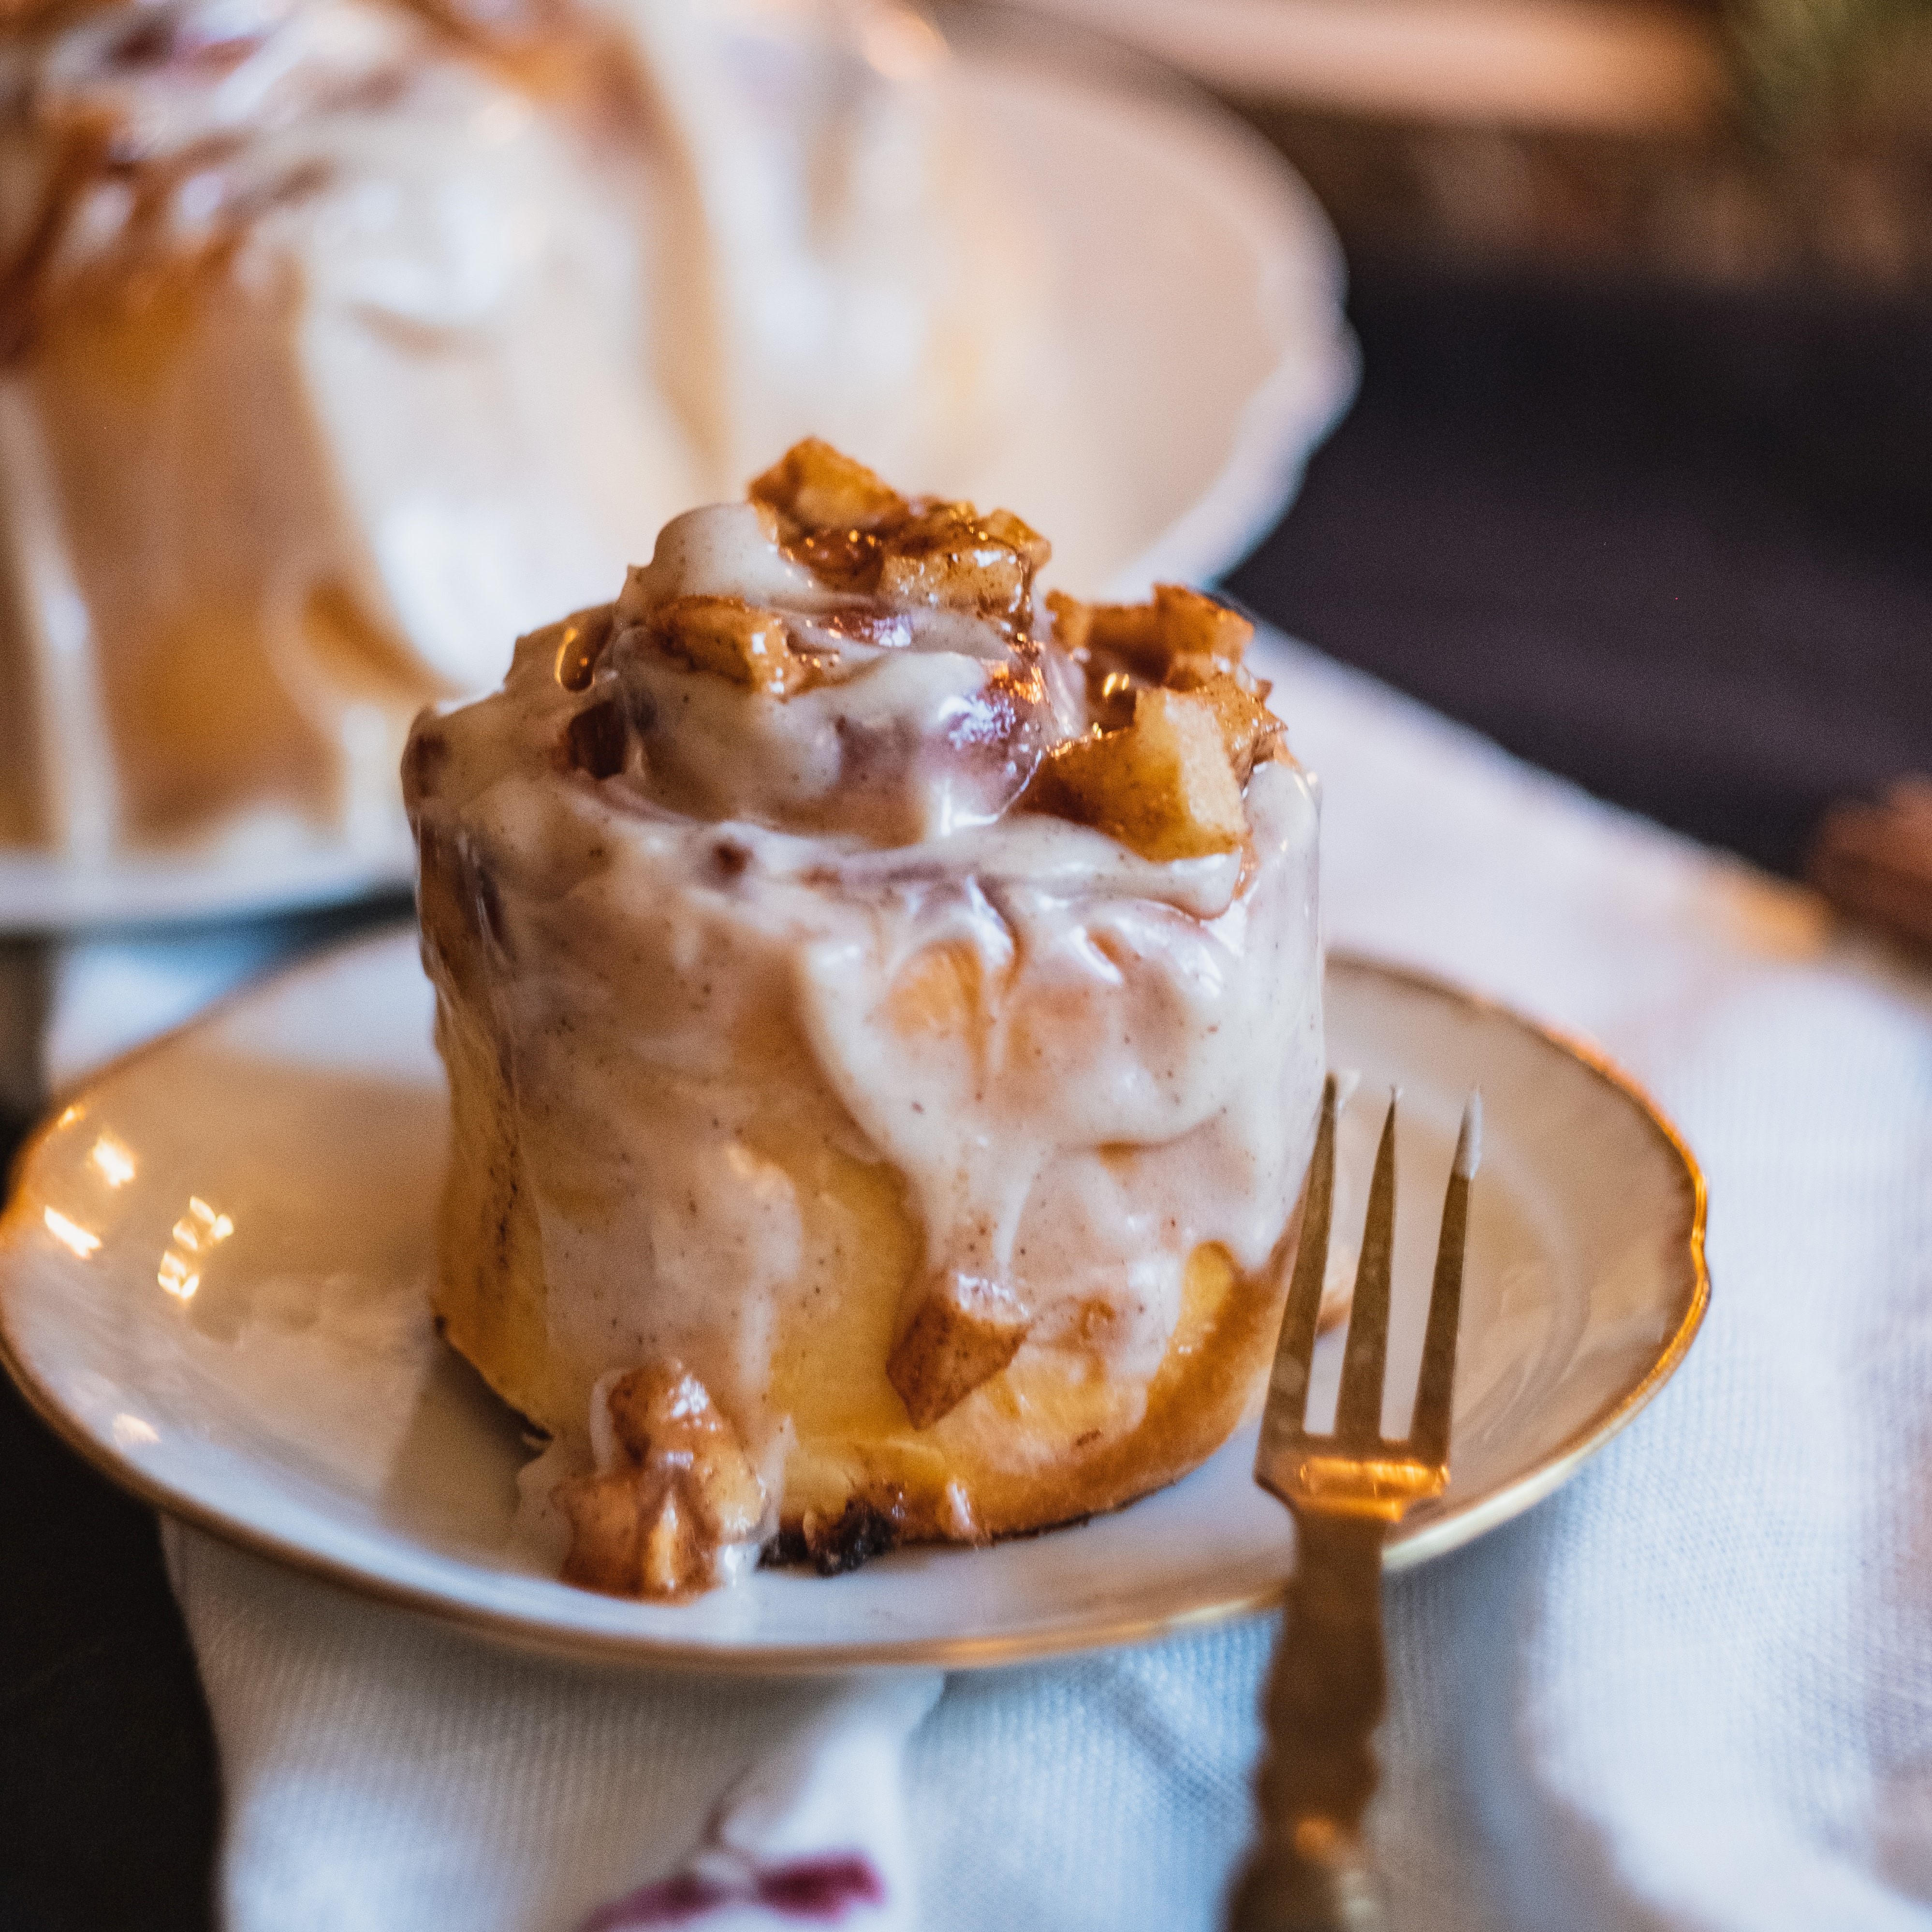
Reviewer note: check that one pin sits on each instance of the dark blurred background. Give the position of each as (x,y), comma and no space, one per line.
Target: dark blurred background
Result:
(1639,482)
(1672,541)
(1640,479)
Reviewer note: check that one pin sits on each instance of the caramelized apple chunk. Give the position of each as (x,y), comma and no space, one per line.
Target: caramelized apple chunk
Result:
(1003,527)
(857,533)
(948,554)
(730,638)
(680,1493)
(1164,784)
(1181,636)
(1250,732)
(966,1331)
(1181,639)
(814,486)
(947,558)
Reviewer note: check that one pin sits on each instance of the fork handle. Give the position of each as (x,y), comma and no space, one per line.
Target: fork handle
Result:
(1310,1871)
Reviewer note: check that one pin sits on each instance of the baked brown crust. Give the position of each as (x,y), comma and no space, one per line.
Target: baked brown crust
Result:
(489,1294)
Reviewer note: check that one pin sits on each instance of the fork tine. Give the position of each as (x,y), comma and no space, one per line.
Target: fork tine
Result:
(1358,1409)
(1428,1432)
(1300,1318)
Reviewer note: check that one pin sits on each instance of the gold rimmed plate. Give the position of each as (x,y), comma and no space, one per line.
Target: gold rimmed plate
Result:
(212,1275)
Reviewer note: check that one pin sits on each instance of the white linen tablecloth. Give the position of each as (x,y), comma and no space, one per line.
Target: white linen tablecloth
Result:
(1692,1689)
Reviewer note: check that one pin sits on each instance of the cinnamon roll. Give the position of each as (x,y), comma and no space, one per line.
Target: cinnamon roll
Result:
(882,1011)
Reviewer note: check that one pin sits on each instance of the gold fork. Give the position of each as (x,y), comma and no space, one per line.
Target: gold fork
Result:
(1310,1872)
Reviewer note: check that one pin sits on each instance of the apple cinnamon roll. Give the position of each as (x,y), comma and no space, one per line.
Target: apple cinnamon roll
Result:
(882,1019)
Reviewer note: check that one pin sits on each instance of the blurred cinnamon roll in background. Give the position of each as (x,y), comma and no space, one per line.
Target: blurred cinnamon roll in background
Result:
(344,339)
(883,1026)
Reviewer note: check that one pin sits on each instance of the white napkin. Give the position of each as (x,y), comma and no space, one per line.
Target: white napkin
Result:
(1693,1689)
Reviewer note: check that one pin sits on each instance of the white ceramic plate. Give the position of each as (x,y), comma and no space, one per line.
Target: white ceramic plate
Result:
(1195,355)
(212,1285)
